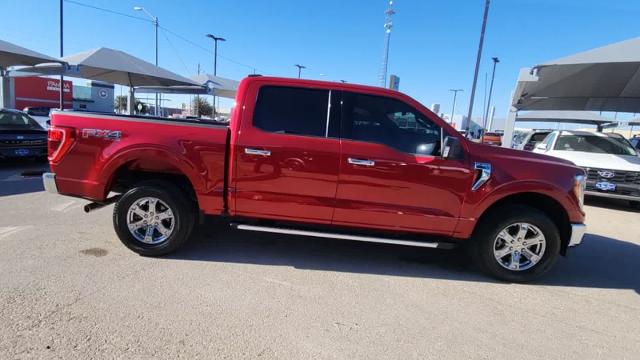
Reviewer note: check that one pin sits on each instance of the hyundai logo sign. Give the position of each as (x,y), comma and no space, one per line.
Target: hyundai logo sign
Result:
(606,174)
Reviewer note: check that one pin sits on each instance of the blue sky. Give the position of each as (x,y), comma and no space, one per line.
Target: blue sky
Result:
(433,43)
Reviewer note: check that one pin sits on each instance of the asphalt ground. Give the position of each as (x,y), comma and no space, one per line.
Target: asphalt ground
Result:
(69,289)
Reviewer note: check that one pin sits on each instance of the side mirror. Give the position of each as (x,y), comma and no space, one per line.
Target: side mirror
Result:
(452,149)
(48,122)
(541,146)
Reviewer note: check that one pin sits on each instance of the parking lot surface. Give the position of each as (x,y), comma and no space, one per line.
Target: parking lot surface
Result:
(70,289)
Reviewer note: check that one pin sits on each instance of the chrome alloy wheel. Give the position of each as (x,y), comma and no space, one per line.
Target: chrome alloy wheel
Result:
(150,220)
(519,246)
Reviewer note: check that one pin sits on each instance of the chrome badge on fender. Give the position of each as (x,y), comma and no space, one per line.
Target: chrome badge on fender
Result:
(113,135)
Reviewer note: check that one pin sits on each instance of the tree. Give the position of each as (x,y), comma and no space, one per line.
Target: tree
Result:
(202,107)
(120,105)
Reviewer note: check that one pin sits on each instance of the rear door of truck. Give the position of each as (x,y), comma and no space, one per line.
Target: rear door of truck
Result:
(287,154)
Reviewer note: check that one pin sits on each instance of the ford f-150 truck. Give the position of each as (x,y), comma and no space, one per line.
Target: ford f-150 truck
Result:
(321,159)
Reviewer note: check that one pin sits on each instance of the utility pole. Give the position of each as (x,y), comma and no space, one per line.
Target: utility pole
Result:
(453,108)
(215,63)
(478,58)
(493,76)
(155,24)
(388,24)
(62,54)
(300,67)
(198,98)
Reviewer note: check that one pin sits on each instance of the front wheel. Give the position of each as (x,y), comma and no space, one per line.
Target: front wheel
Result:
(516,244)
(153,219)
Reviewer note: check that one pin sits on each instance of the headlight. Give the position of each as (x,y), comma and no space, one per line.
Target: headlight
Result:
(580,183)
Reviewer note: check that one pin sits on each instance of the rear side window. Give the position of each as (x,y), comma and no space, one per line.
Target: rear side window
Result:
(288,110)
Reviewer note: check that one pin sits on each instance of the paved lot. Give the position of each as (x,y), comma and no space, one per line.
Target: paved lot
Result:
(69,289)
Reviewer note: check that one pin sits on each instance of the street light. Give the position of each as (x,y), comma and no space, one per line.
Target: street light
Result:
(155,24)
(215,63)
(453,109)
(478,58)
(493,76)
(300,67)
(215,51)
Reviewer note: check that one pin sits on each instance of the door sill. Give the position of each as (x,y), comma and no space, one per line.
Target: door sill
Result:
(330,235)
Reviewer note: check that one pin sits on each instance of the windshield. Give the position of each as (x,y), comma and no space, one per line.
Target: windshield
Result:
(17,121)
(595,144)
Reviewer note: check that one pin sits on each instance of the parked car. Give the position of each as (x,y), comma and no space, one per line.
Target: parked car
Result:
(39,114)
(322,159)
(610,161)
(529,139)
(491,138)
(21,136)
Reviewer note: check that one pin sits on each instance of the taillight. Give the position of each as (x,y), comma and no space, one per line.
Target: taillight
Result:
(59,142)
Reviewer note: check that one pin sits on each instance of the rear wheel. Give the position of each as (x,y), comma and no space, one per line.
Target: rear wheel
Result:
(516,243)
(154,218)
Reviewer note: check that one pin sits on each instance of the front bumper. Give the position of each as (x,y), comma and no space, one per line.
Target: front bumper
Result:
(22,152)
(577,233)
(613,195)
(49,181)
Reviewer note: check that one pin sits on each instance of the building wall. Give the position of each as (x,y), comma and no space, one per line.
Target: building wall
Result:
(34,91)
(95,97)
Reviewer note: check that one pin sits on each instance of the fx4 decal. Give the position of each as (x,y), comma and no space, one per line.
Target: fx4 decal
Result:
(113,135)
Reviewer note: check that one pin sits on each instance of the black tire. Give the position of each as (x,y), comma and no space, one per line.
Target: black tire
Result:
(183,210)
(482,244)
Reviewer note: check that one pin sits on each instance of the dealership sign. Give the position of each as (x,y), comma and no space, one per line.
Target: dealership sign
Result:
(54,85)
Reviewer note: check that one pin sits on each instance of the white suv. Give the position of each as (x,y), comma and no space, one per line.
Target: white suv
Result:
(611,162)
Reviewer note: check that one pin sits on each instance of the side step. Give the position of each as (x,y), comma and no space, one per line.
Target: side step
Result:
(439,245)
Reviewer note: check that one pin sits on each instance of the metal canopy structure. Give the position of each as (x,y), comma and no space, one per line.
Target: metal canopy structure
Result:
(574,117)
(116,67)
(112,66)
(602,79)
(12,55)
(218,86)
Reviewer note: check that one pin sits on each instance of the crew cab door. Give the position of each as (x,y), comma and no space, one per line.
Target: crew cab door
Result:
(392,176)
(287,155)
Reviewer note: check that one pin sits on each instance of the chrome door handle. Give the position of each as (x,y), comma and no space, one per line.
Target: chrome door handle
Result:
(362,162)
(260,152)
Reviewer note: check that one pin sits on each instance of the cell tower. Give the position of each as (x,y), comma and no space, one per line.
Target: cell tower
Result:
(388,24)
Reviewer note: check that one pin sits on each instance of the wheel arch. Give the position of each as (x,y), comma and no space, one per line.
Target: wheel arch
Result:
(542,202)
(135,166)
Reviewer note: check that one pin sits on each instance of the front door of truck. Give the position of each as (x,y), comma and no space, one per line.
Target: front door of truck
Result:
(392,176)
(287,155)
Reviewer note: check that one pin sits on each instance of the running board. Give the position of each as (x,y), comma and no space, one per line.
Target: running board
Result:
(344,236)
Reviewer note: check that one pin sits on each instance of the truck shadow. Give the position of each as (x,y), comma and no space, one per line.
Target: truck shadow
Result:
(21,176)
(600,262)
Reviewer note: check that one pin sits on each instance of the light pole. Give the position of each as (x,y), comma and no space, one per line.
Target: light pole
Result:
(475,74)
(62,54)
(453,108)
(155,24)
(215,63)
(493,76)
(300,67)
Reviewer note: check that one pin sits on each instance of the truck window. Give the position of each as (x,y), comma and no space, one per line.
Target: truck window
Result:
(389,122)
(288,110)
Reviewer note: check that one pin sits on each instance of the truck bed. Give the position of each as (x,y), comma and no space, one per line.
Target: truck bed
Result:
(105,145)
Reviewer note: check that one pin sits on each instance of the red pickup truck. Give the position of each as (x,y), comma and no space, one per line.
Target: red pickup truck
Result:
(321,159)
